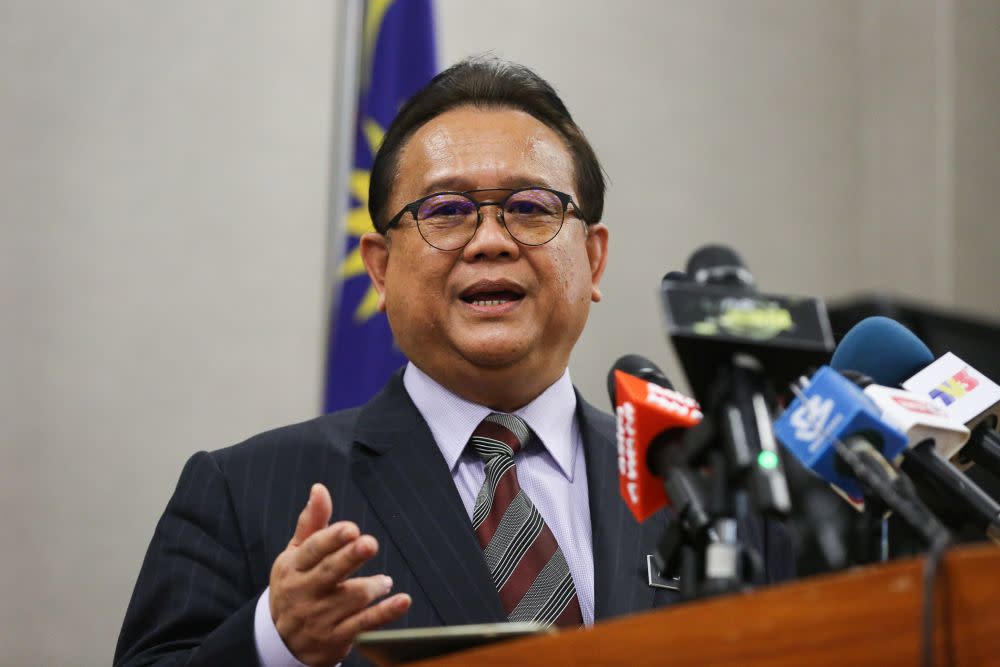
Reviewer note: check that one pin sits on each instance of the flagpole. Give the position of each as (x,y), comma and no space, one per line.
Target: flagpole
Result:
(350,21)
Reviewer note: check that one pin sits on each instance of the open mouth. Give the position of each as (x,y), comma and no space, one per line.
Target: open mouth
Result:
(486,295)
(492,298)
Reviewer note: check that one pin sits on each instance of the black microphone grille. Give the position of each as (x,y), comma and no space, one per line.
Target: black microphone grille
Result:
(640,367)
(674,277)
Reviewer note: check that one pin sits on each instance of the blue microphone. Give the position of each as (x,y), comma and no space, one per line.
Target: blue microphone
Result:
(883,349)
(829,410)
(838,433)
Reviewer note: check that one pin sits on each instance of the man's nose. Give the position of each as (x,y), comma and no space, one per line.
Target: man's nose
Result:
(492,237)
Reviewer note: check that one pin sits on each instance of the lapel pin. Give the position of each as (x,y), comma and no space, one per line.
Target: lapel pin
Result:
(656,580)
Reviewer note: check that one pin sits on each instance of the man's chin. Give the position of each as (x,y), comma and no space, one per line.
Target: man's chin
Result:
(493,354)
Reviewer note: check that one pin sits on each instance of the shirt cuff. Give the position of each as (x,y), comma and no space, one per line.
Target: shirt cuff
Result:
(271,650)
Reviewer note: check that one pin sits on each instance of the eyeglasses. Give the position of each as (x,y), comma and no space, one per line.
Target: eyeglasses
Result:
(449,220)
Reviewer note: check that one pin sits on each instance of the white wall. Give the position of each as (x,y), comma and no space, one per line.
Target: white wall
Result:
(907,168)
(976,154)
(164,175)
(164,171)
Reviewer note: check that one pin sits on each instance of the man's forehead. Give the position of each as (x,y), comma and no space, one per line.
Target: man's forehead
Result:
(467,147)
(481,120)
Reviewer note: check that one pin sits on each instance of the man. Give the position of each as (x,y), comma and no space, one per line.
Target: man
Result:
(487,200)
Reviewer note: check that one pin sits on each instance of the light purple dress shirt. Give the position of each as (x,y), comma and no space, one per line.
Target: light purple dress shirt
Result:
(551,470)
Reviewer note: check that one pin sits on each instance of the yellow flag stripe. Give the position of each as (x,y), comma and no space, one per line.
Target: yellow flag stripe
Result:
(359,185)
(352,265)
(374,134)
(368,305)
(359,222)
(373,23)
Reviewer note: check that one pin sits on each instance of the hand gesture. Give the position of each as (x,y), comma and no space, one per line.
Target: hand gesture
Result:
(317,607)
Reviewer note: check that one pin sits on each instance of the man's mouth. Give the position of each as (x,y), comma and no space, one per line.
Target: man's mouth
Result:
(488,294)
(492,298)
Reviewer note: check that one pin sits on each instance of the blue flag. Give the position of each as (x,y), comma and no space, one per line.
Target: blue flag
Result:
(399,57)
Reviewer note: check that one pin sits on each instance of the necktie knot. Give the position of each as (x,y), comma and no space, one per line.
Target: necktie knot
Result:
(500,434)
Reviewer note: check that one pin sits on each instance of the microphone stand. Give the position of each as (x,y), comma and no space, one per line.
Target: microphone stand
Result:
(734,447)
(682,550)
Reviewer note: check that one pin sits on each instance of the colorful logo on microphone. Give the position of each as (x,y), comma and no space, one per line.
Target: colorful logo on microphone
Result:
(673,402)
(955,387)
(628,463)
(913,404)
(814,419)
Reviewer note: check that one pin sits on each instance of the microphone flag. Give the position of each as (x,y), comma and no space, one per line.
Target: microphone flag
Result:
(831,408)
(643,411)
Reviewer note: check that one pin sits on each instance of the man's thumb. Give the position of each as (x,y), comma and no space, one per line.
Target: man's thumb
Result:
(315,515)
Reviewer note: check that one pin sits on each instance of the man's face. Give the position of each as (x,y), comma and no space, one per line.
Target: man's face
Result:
(494,311)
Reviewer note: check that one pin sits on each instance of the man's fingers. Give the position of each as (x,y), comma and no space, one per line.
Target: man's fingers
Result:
(353,595)
(375,616)
(344,562)
(314,516)
(322,543)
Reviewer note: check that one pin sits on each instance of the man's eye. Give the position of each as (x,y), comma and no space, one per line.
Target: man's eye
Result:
(446,209)
(525,208)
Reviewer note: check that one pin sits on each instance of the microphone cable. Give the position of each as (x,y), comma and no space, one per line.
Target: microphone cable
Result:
(932,566)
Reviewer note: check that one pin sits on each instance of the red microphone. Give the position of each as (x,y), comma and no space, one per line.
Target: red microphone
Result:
(651,418)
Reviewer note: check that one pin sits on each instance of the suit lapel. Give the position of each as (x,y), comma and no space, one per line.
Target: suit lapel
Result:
(620,543)
(405,478)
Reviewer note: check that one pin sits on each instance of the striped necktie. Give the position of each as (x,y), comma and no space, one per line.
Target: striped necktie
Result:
(528,567)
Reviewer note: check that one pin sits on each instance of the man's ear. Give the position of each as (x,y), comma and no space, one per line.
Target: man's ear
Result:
(375,255)
(597,254)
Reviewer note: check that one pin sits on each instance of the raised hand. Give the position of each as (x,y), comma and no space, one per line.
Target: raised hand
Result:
(317,607)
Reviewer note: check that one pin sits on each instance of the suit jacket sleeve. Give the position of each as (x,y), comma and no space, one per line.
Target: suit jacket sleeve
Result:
(194,601)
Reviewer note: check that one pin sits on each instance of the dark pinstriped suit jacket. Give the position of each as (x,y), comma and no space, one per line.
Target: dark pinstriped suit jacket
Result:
(235,509)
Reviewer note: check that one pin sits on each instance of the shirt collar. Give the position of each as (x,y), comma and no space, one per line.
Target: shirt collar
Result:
(452,419)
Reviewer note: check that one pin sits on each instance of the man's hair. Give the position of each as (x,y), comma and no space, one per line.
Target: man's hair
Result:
(487,83)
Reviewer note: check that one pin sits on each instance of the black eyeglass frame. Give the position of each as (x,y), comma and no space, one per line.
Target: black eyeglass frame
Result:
(414,207)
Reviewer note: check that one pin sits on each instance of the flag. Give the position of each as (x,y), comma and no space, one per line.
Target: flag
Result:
(398,58)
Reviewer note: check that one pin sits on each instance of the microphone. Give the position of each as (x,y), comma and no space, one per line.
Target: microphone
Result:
(637,366)
(718,313)
(969,397)
(893,353)
(836,431)
(933,437)
(735,344)
(882,349)
(673,276)
(887,351)
(650,422)
(719,265)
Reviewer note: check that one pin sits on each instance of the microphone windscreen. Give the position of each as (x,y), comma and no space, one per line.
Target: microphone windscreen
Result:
(640,367)
(882,349)
(674,277)
(718,264)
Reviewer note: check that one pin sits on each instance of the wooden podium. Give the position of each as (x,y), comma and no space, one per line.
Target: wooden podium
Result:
(868,616)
